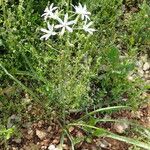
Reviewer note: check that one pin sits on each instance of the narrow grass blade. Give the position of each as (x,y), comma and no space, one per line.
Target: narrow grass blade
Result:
(19,83)
(129,141)
(107,109)
(106,133)
(104,109)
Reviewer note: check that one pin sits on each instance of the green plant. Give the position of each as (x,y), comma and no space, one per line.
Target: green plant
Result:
(88,124)
(6,133)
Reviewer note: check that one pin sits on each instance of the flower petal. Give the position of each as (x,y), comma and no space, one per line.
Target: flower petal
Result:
(71,22)
(44,30)
(62,31)
(59,20)
(46,36)
(58,26)
(69,29)
(66,18)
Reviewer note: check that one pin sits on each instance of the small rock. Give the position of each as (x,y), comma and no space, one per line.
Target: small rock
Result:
(141,72)
(55,141)
(15,148)
(136,114)
(130,78)
(29,136)
(30,131)
(43,147)
(65,147)
(41,134)
(144,58)
(45,142)
(31,146)
(40,123)
(49,129)
(124,99)
(120,127)
(103,144)
(18,141)
(134,9)
(29,108)
(52,147)
(139,64)
(146,66)
(79,134)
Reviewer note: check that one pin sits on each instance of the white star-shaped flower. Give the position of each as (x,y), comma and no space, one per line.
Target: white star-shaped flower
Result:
(81,10)
(86,27)
(48,32)
(49,12)
(65,24)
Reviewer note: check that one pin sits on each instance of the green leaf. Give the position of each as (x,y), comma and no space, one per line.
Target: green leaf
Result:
(113,55)
(98,133)
(129,141)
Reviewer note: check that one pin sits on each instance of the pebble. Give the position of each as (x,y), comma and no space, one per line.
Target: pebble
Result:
(139,64)
(43,147)
(41,134)
(103,144)
(29,136)
(40,123)
(136,114)
(144,58)
(30,131)
(52,147)
(45,142)
(130,78)
(55,141)
(18,141)
(49,129)
(120,127)
(79,134)
(15,148)
(141,72)
(65,147)
(146,66)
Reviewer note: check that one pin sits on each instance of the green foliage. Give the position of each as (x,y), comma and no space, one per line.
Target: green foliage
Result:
(89,125)
(6,133)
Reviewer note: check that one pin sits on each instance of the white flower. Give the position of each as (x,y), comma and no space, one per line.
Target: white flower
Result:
(48,32)
(65,24)
(86,28)
(82,11)
(50,12)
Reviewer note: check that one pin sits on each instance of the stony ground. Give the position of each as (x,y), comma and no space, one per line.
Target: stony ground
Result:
(43,135)
(46,135)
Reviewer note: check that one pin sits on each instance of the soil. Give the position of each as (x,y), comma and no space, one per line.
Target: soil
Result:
(39,135)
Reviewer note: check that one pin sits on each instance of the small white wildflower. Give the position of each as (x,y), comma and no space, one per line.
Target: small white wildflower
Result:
(50,12)
(48,32)
(65,24)
(82,11)
(86,28)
